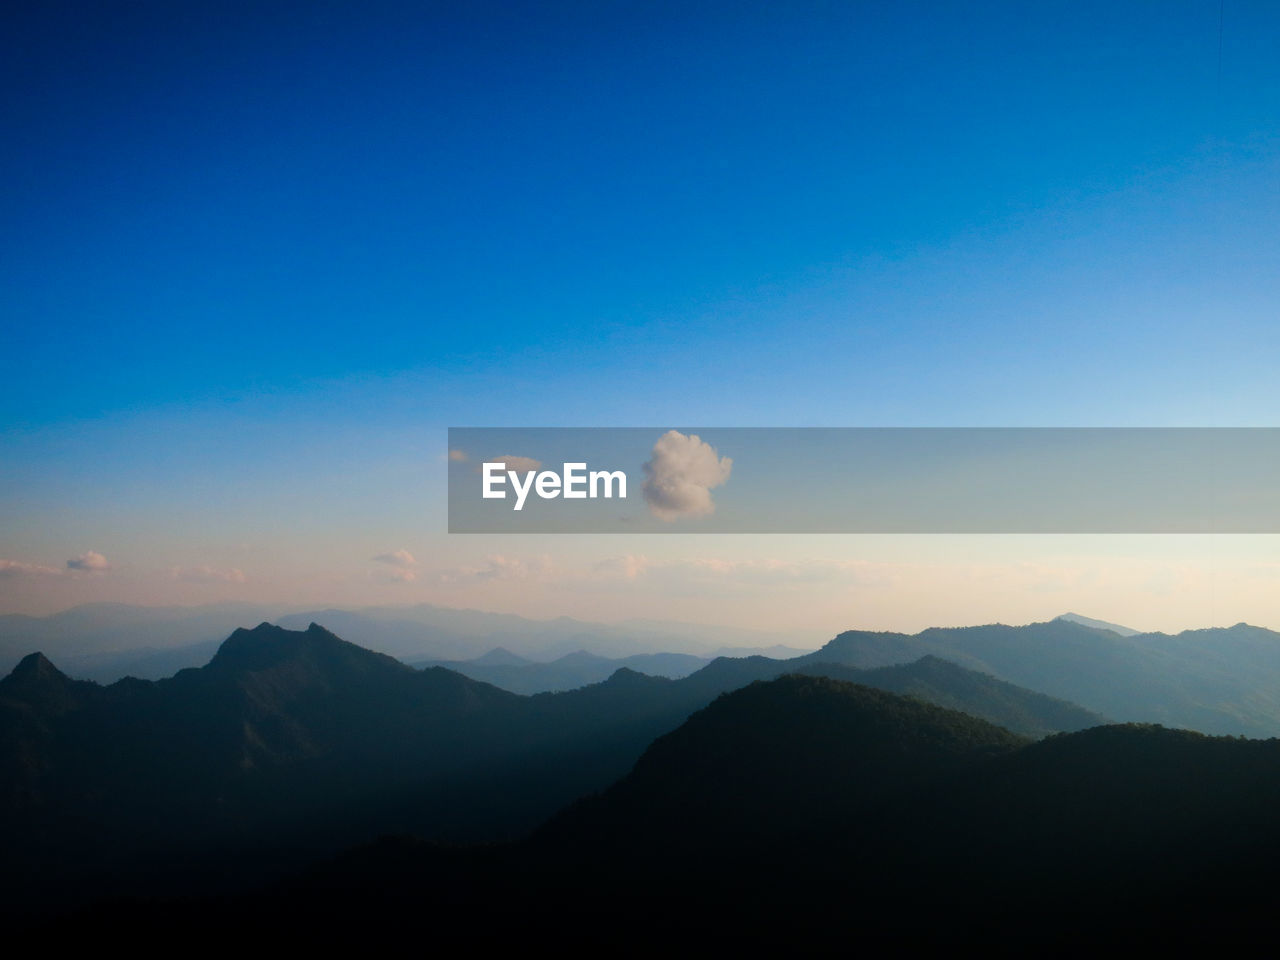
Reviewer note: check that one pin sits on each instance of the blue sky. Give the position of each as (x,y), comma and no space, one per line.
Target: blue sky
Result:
(255,261)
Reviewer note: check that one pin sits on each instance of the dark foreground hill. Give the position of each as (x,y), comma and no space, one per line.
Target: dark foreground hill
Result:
(292,744)
(806,811)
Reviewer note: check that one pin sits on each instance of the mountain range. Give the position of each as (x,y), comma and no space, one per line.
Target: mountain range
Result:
(107,641)
(881,749)
(806,812)
(1219,681)
(304,742)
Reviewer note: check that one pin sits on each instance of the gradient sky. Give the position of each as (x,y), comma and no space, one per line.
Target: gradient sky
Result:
(257,258)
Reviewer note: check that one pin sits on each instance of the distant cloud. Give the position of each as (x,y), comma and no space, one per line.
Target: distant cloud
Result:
(399,558)
(207,575)
(12,569)
(680,475)
(517,464)
(757,573)
(395,575)
(458,456)
(628,567)
(503,567)
(401,563)
(89,562)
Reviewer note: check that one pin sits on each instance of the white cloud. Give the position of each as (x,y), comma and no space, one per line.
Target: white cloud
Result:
(207,575)
(89,562)
(518,464)
(458,456)
(12,569)
(680,475)
(399,558)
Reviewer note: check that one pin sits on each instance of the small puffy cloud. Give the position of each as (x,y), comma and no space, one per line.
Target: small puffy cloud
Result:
(517,464)
(207,575)
(89,562)
(12,569)
(680,475)
(458,456)
(399,558)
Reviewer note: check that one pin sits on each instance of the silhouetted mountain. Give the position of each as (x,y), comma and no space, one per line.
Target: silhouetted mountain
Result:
(569,672)
(945,684)
(107,641)
(1217,681)
(809,811)
(1098,624)
(775,758)
(299,742)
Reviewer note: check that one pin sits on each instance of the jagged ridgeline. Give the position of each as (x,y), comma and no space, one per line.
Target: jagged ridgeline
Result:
(289,746)
(302,741)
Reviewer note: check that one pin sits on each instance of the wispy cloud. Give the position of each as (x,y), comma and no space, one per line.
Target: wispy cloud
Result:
(680,475)
(707,570)
(395,575)
(89,562)
(397,558)
(398,567)
(204,574)
(12,569)
(503,567)
(458,456)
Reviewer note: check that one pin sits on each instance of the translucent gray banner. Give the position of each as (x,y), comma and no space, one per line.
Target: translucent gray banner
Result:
(863,480)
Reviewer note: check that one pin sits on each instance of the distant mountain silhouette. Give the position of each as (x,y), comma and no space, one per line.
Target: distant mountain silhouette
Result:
(1098,624)
(573,670)
(1224,680)
(107,641)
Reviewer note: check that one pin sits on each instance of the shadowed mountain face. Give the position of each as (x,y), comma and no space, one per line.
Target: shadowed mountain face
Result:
(1224,681)
(292,743)
(808,810)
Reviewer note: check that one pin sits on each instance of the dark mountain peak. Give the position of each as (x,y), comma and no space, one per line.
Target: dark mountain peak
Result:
(37,682)
(36,666)
(796,743)
(248,645)
(625,676)
(267,646)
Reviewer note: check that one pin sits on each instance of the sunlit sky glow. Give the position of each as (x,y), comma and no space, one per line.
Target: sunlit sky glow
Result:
(255,263)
